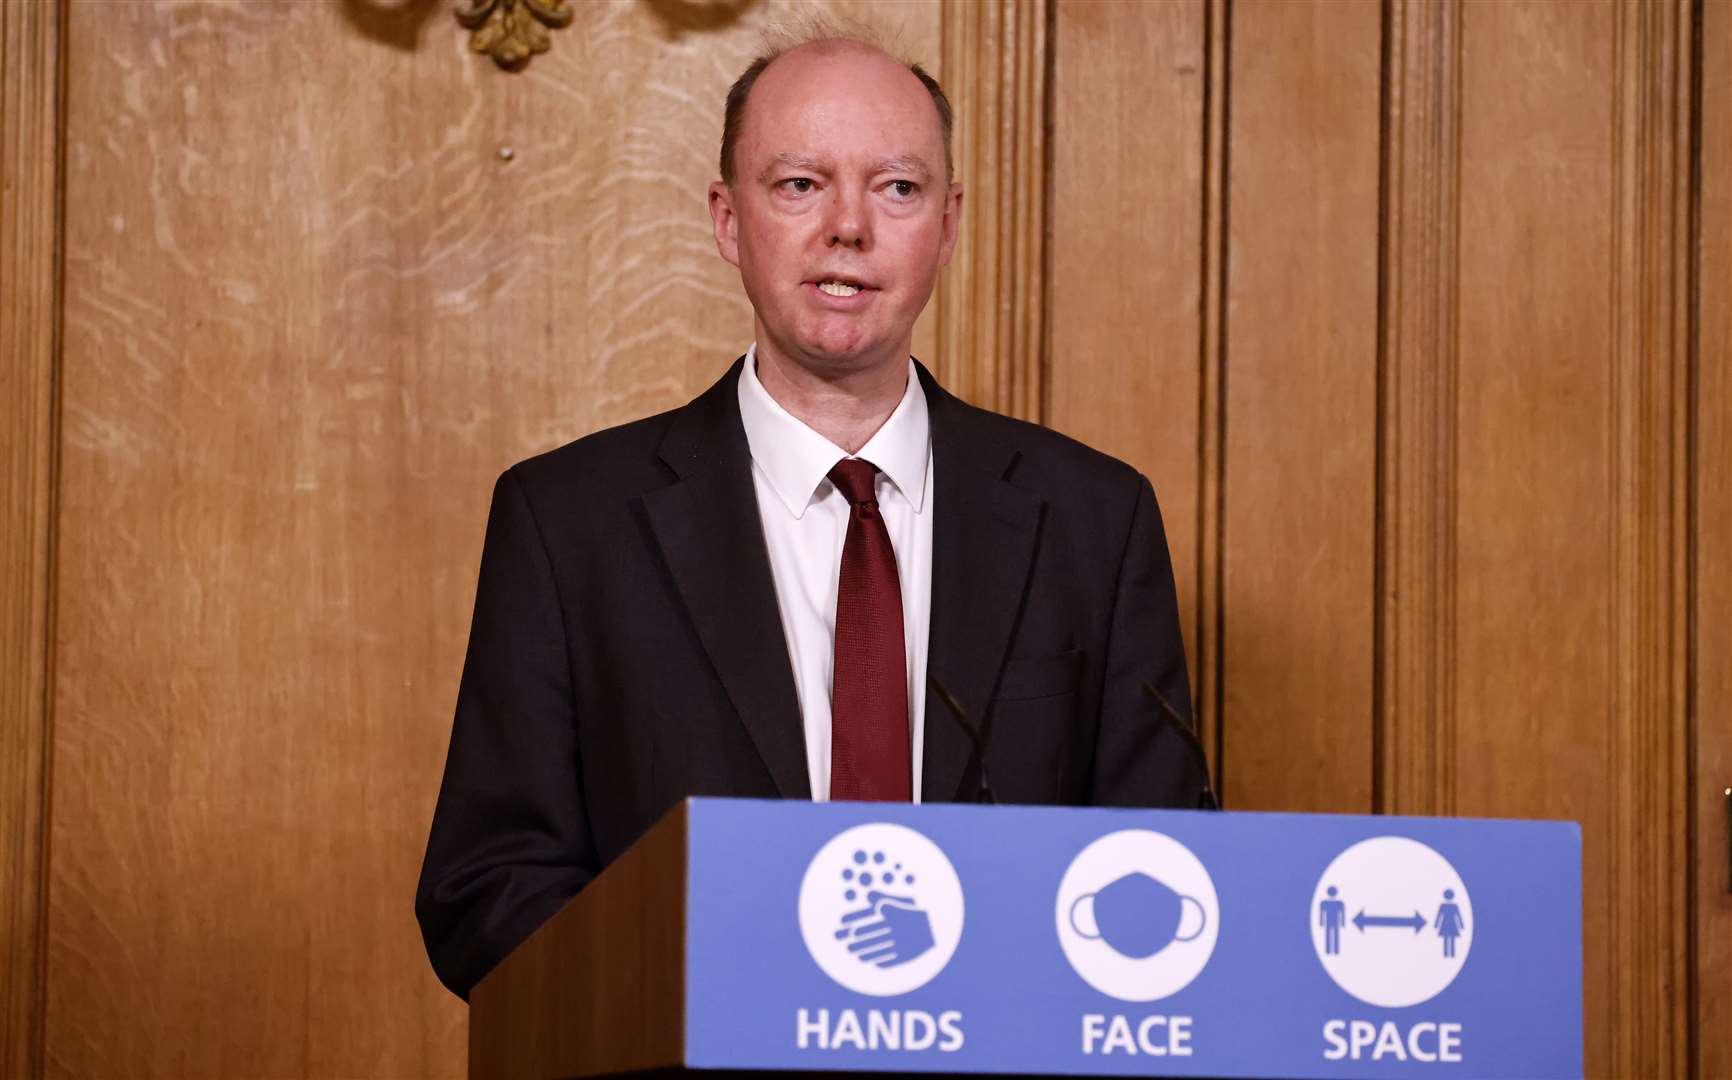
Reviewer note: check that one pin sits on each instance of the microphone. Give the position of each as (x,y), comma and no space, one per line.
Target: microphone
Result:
(1206,801)
(983,792)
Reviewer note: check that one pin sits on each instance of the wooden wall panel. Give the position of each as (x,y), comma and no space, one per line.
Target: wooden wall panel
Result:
(311,311)
(989,316)
(1570,457)
(1416,718)
(1455,411)
(1391,301)
(30,43)
(1126,213)
(1535,398)
(1711,802)
(1646,887)
(1534,554)
(1300,404)
(1208,679)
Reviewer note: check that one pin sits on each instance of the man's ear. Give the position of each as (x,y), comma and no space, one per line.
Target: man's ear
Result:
(952,222)
(727,223)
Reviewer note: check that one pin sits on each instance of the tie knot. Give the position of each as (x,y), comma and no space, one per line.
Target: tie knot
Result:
(854,478)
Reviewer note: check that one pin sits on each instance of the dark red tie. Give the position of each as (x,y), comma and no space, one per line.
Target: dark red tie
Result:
(869,755)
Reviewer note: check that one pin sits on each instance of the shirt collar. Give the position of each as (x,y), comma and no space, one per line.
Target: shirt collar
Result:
(796,459)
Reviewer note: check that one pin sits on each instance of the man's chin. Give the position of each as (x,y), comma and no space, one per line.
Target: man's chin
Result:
(847,351)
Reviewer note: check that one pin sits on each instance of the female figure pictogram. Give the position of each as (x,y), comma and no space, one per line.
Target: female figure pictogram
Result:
(1449,923)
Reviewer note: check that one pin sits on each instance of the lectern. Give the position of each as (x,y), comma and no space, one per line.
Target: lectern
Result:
(750,936)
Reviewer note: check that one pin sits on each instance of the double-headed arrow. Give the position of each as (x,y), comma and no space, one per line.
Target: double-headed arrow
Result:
(1363,920)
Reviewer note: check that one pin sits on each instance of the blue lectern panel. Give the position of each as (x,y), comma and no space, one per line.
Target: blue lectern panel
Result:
(1123,942)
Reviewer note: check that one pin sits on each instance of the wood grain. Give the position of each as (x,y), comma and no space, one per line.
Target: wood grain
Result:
(1571,453)
(1649,876)
(1127,206)
(991,340)
(30,44)
(311,311)
(1711,728)
(1300,405)
(1392,302)
(1416,719)
(1208,684)
(600,989)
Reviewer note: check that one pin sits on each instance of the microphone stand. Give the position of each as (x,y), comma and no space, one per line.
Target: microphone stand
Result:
(1207,800)
(983,791)
(1199,758)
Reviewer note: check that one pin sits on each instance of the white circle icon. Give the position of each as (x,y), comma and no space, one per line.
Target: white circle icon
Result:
(1391,921)
(881,909)
(1137,915)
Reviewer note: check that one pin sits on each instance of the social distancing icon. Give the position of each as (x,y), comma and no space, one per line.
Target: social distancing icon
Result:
(1392,921)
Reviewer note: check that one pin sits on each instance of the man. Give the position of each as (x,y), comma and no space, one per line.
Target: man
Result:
(774,590)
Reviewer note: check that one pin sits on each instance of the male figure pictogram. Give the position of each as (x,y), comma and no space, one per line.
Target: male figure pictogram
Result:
(1332,914)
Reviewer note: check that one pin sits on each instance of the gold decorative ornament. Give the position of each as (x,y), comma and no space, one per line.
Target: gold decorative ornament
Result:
(511,31)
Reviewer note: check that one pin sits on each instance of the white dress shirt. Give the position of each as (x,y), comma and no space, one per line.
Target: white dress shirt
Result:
(805,523)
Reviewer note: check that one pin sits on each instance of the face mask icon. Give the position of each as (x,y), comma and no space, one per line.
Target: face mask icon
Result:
(1137,916)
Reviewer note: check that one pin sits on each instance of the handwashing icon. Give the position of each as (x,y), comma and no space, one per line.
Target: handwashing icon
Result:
(1138,916)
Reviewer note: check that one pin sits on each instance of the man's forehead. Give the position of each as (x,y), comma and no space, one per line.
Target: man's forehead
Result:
(825,97)
(854,73)
(817,58)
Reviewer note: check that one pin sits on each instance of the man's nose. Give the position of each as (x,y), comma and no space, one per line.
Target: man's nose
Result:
(850,219)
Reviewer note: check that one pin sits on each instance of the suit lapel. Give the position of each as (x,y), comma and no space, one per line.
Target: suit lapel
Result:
(708,528)
(983,540)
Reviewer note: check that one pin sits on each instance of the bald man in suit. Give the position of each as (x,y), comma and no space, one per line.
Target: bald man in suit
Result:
(826,577)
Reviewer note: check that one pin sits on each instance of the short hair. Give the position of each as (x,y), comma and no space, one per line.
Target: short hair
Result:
(779,42)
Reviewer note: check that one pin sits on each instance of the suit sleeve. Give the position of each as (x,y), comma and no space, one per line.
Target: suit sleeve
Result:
(1141,756)
(510,843)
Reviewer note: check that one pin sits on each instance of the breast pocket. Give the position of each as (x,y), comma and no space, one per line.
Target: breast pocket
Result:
(1029,678)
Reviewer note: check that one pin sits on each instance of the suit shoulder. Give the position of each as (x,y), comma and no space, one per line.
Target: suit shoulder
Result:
(625,452)
(1059,464)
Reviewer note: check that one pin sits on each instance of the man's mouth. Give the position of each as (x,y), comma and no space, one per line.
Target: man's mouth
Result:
(839,286)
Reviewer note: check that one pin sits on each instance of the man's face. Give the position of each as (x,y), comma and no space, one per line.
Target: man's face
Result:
(840,214)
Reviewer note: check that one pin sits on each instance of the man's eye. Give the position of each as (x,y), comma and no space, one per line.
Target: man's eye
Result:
(904,188)
(799,185)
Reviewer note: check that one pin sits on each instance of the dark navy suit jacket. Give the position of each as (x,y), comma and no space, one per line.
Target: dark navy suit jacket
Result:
(627,652)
